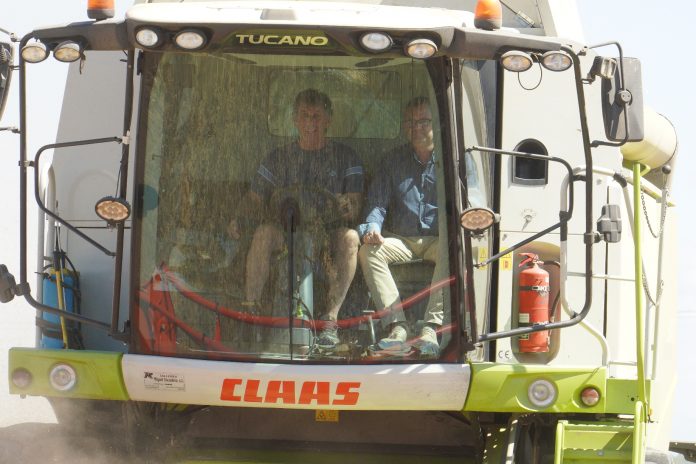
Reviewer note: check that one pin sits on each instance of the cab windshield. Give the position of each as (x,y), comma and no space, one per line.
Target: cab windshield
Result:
(295,208)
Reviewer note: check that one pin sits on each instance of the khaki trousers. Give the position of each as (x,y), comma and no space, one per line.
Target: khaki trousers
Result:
(375,260)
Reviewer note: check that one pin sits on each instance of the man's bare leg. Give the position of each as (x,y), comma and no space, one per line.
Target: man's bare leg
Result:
(267,239)
(345,261)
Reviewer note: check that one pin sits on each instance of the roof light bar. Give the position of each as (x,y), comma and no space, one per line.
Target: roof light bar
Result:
(516,61)
(34,52)
(376,42)
(67,52)
(420,48)
(556,61)
(148,37)
(190,39)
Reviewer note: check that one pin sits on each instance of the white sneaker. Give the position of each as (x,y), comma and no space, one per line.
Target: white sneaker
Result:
(395,341)
(427,343)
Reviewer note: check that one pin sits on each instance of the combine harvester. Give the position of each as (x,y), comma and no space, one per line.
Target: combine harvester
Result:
(554,235)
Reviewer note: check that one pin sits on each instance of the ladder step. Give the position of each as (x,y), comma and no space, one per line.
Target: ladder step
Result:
(587,442)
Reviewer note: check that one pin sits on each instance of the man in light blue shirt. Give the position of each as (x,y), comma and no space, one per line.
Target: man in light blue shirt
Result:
(403,201)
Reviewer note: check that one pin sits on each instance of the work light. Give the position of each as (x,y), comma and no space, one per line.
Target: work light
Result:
(421,48)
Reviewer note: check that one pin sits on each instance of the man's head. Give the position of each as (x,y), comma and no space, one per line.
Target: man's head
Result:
(311,114)
(418,125)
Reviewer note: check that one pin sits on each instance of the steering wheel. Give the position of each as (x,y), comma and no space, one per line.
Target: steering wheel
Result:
(314,205)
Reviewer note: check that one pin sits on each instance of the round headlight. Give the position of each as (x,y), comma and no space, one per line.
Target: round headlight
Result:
(62,377)
(376,41)
(516,61)
(67,52)
(477,220)
(542,393)
(21,378)
(147,37)
(556,61)
(34,52)
(112,209)
(421,48)
(190,39)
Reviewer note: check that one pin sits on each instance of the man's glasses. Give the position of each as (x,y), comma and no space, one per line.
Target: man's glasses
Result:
(419,123)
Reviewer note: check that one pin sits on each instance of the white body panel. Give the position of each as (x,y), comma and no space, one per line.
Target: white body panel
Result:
(434,387)
(307,13)
(92,108)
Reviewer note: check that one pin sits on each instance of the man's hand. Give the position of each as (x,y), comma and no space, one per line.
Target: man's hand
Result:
(373,237)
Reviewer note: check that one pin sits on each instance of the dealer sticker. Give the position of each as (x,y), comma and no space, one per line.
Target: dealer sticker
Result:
(164,382)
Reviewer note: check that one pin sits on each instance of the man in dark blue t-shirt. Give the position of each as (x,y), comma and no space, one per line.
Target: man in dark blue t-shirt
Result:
(323,175)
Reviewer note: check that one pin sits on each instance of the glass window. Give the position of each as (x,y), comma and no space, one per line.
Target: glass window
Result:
(261,176)
(527,171)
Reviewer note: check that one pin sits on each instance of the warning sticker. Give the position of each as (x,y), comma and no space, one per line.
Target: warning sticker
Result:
(326,415)
(482,255)
(164,381)
(506,262)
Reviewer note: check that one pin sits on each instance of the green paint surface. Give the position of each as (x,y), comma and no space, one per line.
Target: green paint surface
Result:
(99,373)
(504,388)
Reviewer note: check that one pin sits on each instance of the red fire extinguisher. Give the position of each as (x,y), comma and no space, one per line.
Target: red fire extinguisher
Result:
(533,304)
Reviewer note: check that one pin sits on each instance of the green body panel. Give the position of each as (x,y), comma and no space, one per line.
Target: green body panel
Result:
(503,388)
(99,373)
(622,395)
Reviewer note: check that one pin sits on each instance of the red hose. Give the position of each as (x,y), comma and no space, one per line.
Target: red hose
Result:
(283,321)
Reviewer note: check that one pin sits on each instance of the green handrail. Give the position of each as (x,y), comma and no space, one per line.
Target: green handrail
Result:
(642,403)
(639,421)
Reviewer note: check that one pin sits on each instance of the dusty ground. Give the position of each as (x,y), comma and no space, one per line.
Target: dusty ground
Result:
(52,443)
(29,432)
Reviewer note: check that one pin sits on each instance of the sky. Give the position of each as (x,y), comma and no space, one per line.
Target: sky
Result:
(646,29)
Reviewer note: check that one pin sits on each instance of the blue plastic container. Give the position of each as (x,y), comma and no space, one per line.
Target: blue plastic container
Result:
(50,298)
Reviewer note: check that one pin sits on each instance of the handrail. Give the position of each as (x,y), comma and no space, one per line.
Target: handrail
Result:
(39,200)
(638,257)
(606,352)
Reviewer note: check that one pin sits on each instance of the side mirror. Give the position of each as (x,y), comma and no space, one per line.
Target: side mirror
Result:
(6,61)
(622,100)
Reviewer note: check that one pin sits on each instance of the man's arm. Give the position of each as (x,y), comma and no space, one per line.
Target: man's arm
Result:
(377,200)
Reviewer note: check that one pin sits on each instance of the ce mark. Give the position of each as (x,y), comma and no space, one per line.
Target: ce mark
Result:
(504,354)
